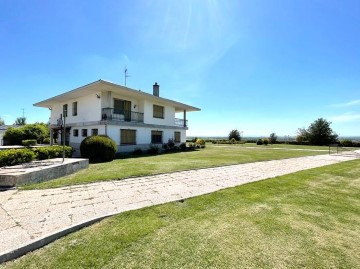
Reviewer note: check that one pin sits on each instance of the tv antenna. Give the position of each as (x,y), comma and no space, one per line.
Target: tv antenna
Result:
(126,74)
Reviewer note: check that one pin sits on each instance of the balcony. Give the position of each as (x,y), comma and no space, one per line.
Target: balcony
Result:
(181,122)
(121,115)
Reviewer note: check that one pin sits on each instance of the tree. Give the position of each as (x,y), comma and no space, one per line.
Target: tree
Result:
(234,134)
(2,122)
(302,135)
(318,133)
(273,138)
(37,131)
(20,121)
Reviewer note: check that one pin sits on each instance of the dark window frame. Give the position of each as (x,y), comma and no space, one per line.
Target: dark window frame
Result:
(76,132)
(158,112)
(125,139)
(74,108)
(156,137)
(84,132)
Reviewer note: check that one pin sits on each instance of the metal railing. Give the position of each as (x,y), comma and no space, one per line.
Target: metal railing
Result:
(181,122)
(121,115)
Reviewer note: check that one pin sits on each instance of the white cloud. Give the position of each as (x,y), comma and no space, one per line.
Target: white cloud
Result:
(346,117)
(348,104)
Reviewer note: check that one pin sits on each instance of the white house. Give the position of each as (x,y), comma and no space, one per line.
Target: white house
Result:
(132,118)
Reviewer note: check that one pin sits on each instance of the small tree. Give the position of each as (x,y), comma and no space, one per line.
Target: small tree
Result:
(301,135)
(320,133)
(2,122)
(20,121)
(273,138)
(234,134)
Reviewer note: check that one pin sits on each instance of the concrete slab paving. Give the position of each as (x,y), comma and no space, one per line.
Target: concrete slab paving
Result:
(31,219)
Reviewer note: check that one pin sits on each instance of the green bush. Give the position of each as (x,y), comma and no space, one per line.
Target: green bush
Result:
(346,143)
(200,143)
(265,141)
(137,152)
(259,142)
(46,140)
(51,152)
(153,149)
(98,148)
(183,146)
(14,136)
(16,156)
(29,143)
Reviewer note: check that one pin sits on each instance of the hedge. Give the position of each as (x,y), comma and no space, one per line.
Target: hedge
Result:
(11,157)
(98,148)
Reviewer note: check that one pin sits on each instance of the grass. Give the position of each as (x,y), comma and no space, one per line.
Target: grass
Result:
(309,219)
(212,155)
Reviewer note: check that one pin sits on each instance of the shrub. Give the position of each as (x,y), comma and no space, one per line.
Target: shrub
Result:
(259,142)
(137,152)
(200,143)
(29,143)
(46,140)
(98,148)
(265,141)
(14,136)
(51,152)
(273,138)
(153,149)
(191,146)
(182,146)
(16,156)
(233,141)
(346,143)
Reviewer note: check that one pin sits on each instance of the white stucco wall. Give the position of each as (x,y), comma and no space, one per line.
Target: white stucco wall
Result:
(169,114)
(88,109)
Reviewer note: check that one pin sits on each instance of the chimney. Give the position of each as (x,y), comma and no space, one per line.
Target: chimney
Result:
(156,89)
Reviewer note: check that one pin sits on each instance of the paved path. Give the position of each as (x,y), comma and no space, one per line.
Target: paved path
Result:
(30,219)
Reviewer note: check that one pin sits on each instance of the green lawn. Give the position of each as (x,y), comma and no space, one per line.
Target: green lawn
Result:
(309,219)
(212,155)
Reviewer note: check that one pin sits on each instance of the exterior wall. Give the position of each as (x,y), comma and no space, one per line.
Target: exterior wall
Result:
(169,114)
(143,136)
(88,109)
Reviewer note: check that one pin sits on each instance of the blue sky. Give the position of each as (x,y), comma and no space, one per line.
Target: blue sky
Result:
(256,66)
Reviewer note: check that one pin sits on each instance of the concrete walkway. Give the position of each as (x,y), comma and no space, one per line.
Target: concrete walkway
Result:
(31,219)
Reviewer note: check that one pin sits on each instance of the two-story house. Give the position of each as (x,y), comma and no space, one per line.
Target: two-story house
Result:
(132,118)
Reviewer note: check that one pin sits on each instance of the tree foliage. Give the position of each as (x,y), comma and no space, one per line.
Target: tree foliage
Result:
(37,131)
(318,133)
(273,138)
(2,122)
(234,134)
(20,121)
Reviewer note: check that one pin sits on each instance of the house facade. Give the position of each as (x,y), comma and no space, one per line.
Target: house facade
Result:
(132,118)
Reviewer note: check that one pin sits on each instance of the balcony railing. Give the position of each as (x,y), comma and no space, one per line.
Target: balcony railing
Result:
(121,115)
(181,122)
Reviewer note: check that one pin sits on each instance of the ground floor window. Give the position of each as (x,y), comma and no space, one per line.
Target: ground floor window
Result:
(127,137)
(177,137)
(156,137)
(75,132)
(94,131)
(84,132)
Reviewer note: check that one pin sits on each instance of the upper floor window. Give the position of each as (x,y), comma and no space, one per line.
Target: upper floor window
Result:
(158,111)
(65,110)
(74,108)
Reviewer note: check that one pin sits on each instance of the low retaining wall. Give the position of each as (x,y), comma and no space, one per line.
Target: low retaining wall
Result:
(39,171)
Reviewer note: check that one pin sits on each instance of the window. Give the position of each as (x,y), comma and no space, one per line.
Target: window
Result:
(127,137)
(158,111)
(84,132)
(177,137)
(94,131)
(74,108)
(156,137)
(75,132)
(65,110)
